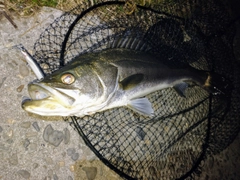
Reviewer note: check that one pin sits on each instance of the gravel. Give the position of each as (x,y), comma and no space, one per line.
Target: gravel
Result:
(47,132)
(25,124)
(75,156)
(91,172)
(36,127)
(66,136)
(70,151)
(25,174)
(26,143)
(55,138)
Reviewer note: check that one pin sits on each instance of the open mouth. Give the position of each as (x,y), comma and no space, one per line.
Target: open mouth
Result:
(36,92)
(41,92)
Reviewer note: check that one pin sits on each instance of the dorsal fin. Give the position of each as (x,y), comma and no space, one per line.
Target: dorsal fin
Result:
(129,40)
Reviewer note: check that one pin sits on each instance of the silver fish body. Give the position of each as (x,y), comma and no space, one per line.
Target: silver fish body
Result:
(112,78)
(31,62)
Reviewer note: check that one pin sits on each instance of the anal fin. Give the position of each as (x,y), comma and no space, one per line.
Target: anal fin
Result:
(181,88)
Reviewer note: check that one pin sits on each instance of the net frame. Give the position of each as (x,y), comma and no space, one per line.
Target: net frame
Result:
(213,120)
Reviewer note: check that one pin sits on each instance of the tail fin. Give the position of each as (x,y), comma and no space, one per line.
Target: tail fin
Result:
(218,84)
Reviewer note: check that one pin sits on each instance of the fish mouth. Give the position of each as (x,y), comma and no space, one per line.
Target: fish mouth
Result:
(38,92)
(46,100)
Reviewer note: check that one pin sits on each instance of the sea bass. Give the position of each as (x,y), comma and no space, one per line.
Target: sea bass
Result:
(111,78)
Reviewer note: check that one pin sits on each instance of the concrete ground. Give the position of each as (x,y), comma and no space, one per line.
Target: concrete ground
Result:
(25,153)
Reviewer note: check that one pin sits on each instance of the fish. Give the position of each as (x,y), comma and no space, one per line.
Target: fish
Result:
(33,64)
(112,78)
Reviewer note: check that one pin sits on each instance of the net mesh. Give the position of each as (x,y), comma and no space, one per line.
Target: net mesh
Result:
(183,131)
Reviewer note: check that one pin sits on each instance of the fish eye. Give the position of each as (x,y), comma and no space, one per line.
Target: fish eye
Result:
(67,78)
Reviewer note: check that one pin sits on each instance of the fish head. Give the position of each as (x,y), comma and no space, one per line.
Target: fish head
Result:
(63,93)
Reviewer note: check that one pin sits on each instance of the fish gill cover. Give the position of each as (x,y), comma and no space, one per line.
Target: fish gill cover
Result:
(184,131)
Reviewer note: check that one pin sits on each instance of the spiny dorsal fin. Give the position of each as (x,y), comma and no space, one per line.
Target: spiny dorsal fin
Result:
(127,39)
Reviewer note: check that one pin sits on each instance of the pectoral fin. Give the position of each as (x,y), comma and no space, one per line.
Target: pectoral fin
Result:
(142,106)
(181,89)
(131,81)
